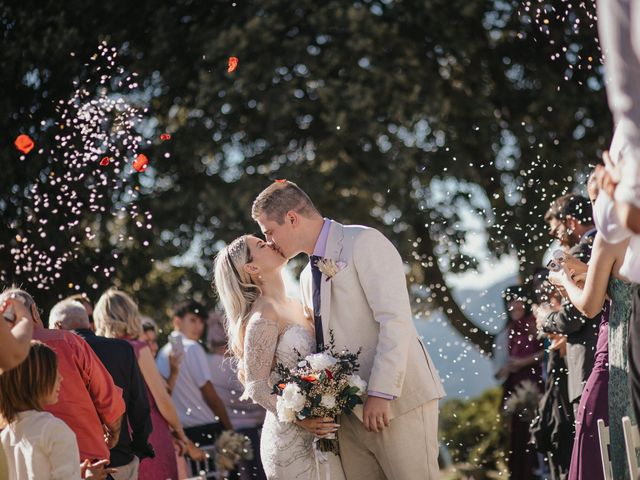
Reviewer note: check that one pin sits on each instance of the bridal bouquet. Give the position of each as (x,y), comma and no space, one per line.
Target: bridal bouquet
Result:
(232,448)
(323,384)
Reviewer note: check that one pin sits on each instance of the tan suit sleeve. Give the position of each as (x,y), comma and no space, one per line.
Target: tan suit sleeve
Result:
(381,274)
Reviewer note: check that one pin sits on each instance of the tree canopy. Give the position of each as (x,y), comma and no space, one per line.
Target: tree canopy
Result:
(438,122)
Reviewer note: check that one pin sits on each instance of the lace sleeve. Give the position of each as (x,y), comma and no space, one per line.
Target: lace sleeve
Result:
(260,341)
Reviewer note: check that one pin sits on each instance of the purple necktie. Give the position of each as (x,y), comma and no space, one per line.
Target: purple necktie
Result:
(316,276)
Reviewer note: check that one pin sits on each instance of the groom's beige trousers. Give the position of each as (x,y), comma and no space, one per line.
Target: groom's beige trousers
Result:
(406,450)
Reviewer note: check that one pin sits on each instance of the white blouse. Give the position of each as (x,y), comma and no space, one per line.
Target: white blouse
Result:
(39,446)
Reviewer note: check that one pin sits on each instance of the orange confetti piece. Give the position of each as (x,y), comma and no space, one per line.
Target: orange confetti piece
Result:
(233,64)
(165,136)
(105,161)
(281,180)
(141,163)
(24,143)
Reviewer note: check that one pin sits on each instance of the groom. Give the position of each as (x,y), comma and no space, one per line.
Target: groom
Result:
(356,287)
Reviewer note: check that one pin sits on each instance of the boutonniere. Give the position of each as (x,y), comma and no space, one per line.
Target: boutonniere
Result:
(330,267)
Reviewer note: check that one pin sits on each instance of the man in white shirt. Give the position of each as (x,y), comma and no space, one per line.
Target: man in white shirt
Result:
(200,409)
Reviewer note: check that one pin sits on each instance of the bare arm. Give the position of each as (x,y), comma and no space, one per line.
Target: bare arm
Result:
(215,404)
(589,300)
(260,342)
(157,388)
(15,338)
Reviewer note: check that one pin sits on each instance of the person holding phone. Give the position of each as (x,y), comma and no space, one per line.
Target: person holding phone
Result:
(201,410)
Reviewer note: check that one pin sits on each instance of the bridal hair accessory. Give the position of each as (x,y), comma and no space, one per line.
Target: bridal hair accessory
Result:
(330,267)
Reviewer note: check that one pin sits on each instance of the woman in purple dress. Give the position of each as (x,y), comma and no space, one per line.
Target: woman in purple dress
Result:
(524,364)
(116,316)
(586,461)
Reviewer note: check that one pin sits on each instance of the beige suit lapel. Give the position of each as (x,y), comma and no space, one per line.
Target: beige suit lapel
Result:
(332,251)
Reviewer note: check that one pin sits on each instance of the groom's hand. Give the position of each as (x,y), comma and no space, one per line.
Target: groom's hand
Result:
(376,414)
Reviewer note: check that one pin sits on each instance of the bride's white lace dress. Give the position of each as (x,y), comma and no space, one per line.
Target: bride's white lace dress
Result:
(286,450)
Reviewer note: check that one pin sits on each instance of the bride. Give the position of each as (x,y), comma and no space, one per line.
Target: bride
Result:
(266,327)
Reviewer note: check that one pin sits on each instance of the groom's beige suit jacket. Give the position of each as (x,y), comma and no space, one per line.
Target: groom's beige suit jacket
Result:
(366,305)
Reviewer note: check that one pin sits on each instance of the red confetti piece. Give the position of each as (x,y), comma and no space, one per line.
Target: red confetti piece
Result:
(281,180)
(105,161)
(24,143)
(141,163)
(165,136)
(233,64)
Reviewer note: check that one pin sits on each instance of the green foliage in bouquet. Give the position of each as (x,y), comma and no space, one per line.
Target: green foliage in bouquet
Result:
(324,384)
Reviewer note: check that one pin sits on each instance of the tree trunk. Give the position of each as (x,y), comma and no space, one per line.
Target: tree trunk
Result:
(443,297)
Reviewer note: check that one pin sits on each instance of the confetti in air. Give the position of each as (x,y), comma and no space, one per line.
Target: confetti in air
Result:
(233,64)
(165,136)
(141,163)
(75,195)
(24,143)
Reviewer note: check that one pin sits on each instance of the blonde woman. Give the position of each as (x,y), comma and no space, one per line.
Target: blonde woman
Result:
(116,316)
(264,327)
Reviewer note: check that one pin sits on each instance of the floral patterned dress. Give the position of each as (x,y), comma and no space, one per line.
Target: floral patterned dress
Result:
(619,395)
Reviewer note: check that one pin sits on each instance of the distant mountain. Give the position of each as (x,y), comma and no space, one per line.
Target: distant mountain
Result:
(464,371)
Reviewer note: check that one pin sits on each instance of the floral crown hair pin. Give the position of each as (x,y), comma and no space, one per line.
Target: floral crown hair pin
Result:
(330,267)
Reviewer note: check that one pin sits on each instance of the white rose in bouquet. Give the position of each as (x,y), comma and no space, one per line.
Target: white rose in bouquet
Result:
(356,381)
(285,414)
(293,397)
(328,401)
(321,361)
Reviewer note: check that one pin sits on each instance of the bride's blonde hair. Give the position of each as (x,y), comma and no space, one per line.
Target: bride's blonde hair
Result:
(237,292)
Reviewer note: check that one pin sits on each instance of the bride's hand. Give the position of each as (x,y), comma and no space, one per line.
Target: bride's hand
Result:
(319,426)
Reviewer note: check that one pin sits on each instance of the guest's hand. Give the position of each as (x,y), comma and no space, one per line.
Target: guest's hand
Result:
(607,176)
(572,263)
(97,470)
(195,453)
(541,313)
(557,278)
(376,414)
(174,362)
(111,436)
(181,445)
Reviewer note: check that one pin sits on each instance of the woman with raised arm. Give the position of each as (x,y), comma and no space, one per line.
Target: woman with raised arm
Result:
(116,316)
(601,278)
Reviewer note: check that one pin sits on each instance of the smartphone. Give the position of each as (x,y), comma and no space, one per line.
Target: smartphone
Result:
(555,264)
(175,339)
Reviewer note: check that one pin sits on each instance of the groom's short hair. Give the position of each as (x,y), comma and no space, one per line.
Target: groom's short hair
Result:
(281,197)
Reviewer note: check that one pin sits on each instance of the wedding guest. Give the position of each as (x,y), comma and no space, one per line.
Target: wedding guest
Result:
(120,361)
(15,333)
(39,445)
(246,417)
(116,316)
(553,430)
(525,356)
(97,404)
(200,408)
(619,28)
(83,298)
(603,278)
(570,222)
(150,334)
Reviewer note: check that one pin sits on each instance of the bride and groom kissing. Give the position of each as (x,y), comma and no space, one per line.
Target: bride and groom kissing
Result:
(354,288)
